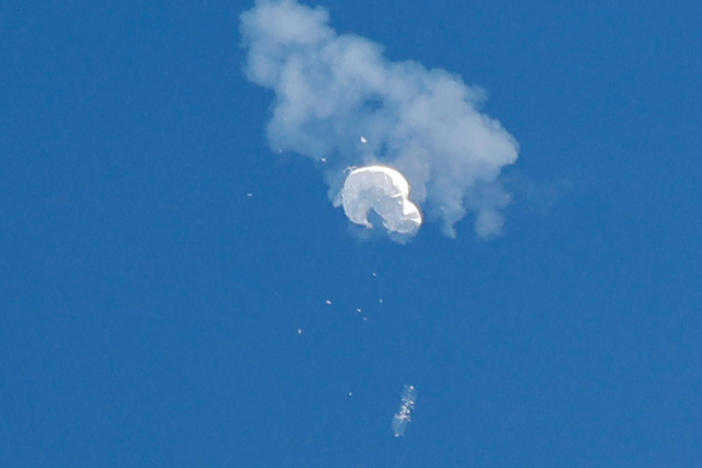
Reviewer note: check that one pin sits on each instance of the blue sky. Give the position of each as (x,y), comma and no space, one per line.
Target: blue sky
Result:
(150,308)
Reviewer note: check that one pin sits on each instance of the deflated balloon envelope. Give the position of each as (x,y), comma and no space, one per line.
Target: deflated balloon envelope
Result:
(383,190)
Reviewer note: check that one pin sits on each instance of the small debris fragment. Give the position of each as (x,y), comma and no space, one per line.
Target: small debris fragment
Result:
(328,302)
(249,194)
(323,160)
(363,140)
(359,310)
(299,331)
(380,300)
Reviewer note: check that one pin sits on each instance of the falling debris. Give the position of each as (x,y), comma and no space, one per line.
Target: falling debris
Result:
(359,310)
(381,189)
(249,194)
(299,331)
(328,302)
(363,140)
(350,394)
(323,159)
(404,414)
(380,301)
(375,275)
(365,319)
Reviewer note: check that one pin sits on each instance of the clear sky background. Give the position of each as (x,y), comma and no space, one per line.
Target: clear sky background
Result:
(150,308)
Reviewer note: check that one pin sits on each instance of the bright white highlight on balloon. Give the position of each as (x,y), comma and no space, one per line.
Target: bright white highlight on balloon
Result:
(383,190)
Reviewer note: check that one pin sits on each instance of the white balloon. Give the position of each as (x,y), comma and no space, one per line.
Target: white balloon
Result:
(383,190)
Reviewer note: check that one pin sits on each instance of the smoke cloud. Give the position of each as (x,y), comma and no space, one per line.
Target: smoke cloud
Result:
(332,88)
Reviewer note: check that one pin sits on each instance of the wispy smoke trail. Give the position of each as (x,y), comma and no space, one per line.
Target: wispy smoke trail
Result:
(331,88)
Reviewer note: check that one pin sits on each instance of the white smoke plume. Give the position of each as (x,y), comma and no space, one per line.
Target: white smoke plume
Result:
(331,88)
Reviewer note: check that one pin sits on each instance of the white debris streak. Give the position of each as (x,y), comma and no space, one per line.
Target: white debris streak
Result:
(404,414)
